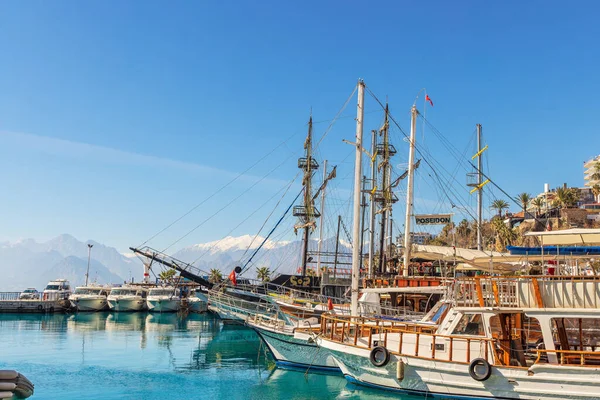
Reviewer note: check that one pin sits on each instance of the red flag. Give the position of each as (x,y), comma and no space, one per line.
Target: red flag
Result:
(427,98)
(329,304)
(232,278)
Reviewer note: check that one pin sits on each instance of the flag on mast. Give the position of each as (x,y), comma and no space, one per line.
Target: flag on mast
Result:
(232,278)
(427,98)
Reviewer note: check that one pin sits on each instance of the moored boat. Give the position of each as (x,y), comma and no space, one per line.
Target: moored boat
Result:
(510,338)
(90,298)
(127,298)
(163,299)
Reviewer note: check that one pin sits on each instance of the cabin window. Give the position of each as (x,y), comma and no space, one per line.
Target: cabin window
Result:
(435,318)
(581,334)
(470,324)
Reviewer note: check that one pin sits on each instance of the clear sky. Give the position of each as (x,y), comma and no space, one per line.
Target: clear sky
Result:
(118,117)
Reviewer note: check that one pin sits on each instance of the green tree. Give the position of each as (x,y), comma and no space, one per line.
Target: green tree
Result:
(538,203)
(499,205)
(215,276)
(504,235)
(463,233)
(565,197)
(596,191)
(263,274)
(596,174)
(524,199)
(167,275)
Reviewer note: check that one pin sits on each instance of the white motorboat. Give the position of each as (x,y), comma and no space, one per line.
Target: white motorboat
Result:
(58,289)
(163,299)
(127,298)
(90,298)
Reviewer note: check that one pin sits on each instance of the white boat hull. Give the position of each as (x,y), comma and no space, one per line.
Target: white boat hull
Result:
(442,379)
(197,305)
(90,304)
(163,305)
(137,304)
(296,351)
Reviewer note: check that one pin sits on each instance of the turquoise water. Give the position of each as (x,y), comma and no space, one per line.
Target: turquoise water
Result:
(146,356)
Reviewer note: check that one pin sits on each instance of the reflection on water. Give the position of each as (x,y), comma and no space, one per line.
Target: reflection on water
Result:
(152,356)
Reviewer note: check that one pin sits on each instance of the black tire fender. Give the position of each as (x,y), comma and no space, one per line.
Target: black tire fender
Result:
(480,364)
(40,307)
(379,356)
(51,309)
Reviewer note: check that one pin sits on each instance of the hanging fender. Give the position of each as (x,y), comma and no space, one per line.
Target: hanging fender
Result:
(379,356)
(480,369)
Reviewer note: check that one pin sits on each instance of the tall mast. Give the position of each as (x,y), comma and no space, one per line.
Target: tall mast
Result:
(386,199)
(360,111)
(363,204)
(409,189)
(480,191)
(321,219)
(307,212)
(372,206)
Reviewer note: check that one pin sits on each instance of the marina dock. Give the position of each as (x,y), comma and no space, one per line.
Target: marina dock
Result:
(10,303)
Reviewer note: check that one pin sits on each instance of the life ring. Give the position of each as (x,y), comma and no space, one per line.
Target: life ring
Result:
(480,369)
(40,307)
(379,356)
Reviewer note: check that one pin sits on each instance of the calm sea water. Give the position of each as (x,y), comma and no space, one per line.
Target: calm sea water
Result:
(145,356)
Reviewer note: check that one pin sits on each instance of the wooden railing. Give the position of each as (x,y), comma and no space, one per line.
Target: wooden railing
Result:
(572,357)
(528,292)
(368,333)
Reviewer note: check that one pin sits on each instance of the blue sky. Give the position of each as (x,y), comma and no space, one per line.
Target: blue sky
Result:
(118,117)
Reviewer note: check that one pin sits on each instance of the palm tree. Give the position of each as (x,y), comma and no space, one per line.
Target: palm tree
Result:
(499,205)
(463,231)
(215,276)
(167,275)
(538,203)
(524,199)
(504,235)
(566,197)
(596,175)
(263,274)
(596,191)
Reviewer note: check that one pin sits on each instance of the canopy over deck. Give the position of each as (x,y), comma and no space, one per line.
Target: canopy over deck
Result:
(568,237)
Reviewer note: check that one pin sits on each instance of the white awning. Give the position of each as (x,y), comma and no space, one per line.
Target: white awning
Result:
(571,237)
(449,253)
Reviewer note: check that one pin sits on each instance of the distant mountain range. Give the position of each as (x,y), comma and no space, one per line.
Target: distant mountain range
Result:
(27,263)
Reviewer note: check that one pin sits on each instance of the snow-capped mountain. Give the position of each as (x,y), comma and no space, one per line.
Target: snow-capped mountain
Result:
(231,243)
(279,257)
(28,263)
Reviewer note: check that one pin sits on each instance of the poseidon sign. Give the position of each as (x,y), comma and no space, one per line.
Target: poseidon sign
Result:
(433,219)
